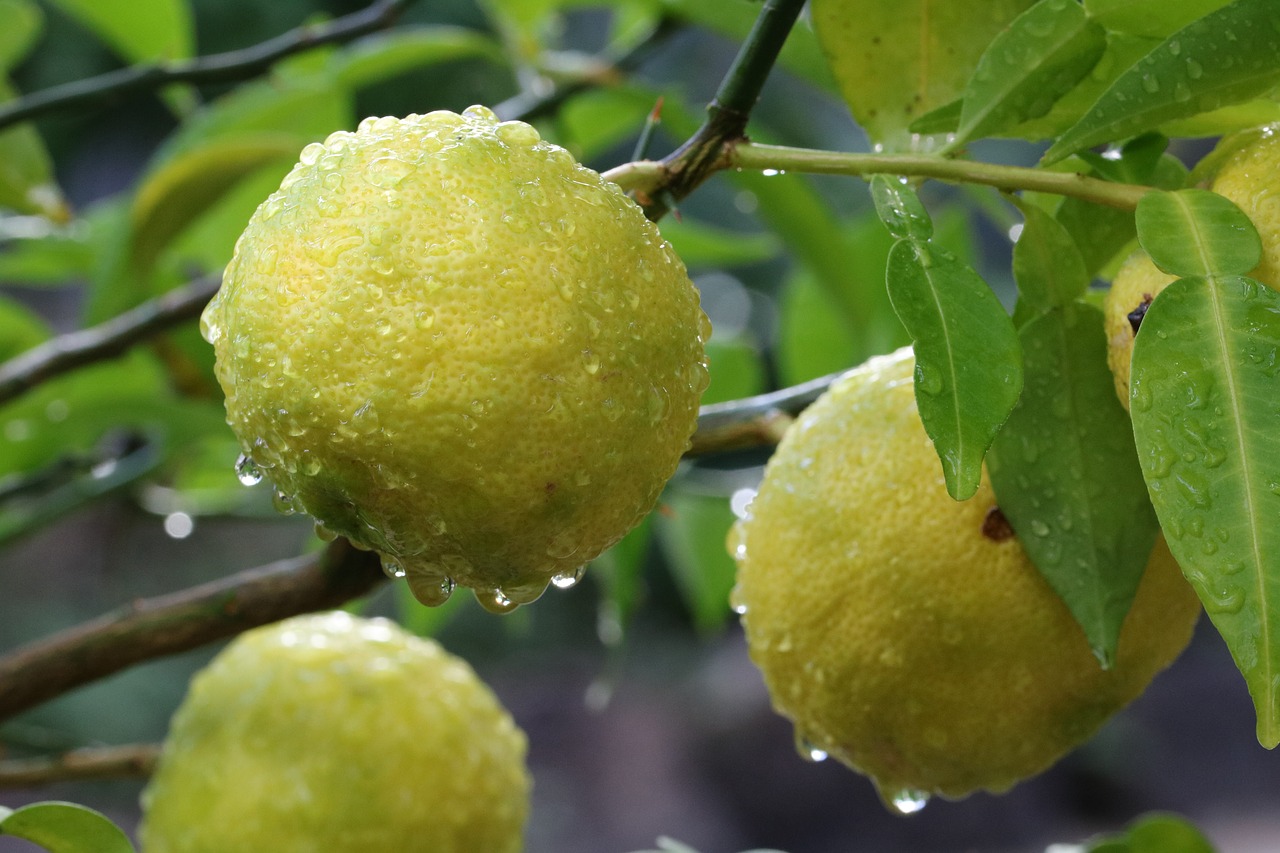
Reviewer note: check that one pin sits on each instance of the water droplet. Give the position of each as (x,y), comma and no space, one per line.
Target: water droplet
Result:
(285,503)
(807,749)
(1194,69)
(247,471)
(518,133)
(590,362)
(568,580)
(323,533)
(1150,83)
(1039,528)
(906,801)
(430,589)
(392,567)
(495,601)
(928,378)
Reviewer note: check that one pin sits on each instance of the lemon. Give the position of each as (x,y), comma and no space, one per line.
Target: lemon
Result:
(908,635)
(456,346)
(339,734)
(1248,173)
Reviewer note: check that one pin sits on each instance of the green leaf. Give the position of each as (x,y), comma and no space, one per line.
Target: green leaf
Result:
(813,337)
(26,170)
(1196,232)
(380,57)
(692,530)
(700,244)
(1040,57)
(899,208)
(177,194)
(619,571)
(968,361)
(1066,474)
(1150,18)
(23,23)
(139,30)
(65,828)
(1153,833)
(1205,378)
(20,329)
(1188,73)
(736,370)
(895,61)
(1047,266)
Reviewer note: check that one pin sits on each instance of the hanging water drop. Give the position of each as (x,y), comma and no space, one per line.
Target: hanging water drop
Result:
(808,750)
(284,502)
(392,567)
(908,801)
(247,471)
(431,590)
(568,580)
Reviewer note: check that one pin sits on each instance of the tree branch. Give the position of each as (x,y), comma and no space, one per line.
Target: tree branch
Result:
(155,627)
(233,65)
(754,421)
(685,169)
(79,765)
(115,336)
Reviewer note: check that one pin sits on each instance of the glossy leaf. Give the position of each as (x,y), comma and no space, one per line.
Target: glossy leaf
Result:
(139,30)
(1066,474)
(1186,74)
(895,61)
(23,22)
(65,828)
(1040,57)
(1204,383)
(899,209)
(1196,232)
(968,362)
(1151,18)
(692,529)
(1047,266)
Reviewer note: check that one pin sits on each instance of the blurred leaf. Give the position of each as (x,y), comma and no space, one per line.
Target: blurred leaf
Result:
(736,370)
(801,53)
(692,529)
(1150,18)
(1197,232)
(813,339)
(1066,474)
(65,828)
(700,244)
(23,23)
(1047,266)
(619,571)
(26,172)
(1205,378)
(178,193)
(1151,833)
(55,257)
(592,122)
(1229,119)
(1040,57)
(385,55)
(139,30)
(20,329)
(1186,74)
(895,62)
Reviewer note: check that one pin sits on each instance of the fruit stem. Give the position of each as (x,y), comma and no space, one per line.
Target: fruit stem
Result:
(727,114)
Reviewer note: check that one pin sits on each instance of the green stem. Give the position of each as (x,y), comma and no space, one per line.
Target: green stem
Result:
(754,157)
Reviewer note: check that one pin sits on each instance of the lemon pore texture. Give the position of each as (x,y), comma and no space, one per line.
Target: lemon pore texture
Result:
(901,638)
(451,343)
(1249,175)
(339,734)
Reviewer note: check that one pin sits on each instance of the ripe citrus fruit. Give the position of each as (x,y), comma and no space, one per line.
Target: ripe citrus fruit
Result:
(907,634)
(335,733)
(1247,171)
(454,345)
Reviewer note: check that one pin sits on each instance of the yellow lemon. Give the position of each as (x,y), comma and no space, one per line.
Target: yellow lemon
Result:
(907,634)
(335,733)
(454,345)
(1246,170)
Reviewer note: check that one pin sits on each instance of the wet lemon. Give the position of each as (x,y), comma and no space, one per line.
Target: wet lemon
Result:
(1247,173)
(907,634)
(335,733)
(451,343)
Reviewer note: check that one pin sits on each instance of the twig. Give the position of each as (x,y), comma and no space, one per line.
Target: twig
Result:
(703,154)
(233,65)
(111,338)
(754,421)
(647,177)
(155,627)
(79,765)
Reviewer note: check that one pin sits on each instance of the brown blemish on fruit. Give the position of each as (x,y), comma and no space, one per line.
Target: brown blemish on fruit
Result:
(995,526)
